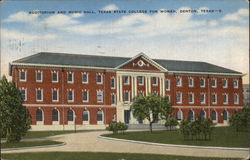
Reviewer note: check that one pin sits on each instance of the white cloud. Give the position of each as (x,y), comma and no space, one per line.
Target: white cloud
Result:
(59,20)
(110,7)
(22,17)
(237,16)
(27,37)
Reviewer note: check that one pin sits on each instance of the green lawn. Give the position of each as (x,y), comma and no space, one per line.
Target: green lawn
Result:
(29,144)
(96,156)
(42,134)
(222,137)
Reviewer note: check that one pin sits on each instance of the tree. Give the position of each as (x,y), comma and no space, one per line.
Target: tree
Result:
(166,108)
(147,107)
(14,117)
(171,122)
(241,120)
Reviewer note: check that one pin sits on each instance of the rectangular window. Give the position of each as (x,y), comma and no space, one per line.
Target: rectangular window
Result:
(127,97)
(154,81)
(85,96)
(202,83)
(54,77)
(225,83)
(70,77)
(70,96)
(225,99)
(236,99)
(24,94)
(55,95)
(112,83)
(99,96)
(178,82)
(214,83)
(39,95)
(179,98)
(113,99)
(23,76)
(191,98)
(203,98)
(39,76)
(168,98)
(99,79)
(126,80)
(236,84)
(190,82)
(214,98)
(85,78)
(141,80)
(167,84)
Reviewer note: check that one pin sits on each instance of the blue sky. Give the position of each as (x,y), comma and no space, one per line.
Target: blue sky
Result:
(220,38)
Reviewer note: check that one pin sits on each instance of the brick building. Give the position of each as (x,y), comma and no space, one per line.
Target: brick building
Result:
(63,91)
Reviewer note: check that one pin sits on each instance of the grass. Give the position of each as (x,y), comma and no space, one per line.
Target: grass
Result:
(222,137)
(97,156)
(29,144)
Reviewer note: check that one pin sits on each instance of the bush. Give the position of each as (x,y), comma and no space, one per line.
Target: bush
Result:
(240,121)
(200,129)
(115,127)
(171,122)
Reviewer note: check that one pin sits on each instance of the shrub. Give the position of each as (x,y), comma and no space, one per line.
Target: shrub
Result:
(115,127)
(240,121)
(171,122)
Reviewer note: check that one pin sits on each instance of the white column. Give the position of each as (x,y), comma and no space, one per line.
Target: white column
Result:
(160,86)
(135,86)
(132,87)
(121,83)
(149,84)
(118,88)
(146,85)
(163,86)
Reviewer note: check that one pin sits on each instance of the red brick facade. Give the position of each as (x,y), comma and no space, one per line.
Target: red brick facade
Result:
(109,110)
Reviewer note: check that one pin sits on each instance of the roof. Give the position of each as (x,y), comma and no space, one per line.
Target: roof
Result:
(113,62)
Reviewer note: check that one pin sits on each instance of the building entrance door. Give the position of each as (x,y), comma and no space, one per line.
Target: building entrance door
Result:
(126,116)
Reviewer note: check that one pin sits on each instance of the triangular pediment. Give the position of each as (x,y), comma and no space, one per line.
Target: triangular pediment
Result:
(141,62)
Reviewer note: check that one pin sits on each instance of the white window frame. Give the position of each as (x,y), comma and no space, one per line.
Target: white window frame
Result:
(179,85)
(114,99)
(237,99)
(204,80)
(41,72)
(216,116)
(102,121)
(192,80)
(113,79)
(39,100)
(127,101)
(25,76)
(179,111)
(57,78)
(191,102)
(226,99)
(97,78)
(73,97)
(141,84)
(168,86)
(87,75)
(86,122)
(236,80)
(25,93)
(180,102)
(56,95)
(99,91)
(87,96)
(71,82)
(225,86)
(215,98)
(169,97)
(40,122)
(156,80)
(204,100)
(56,122)
(128,82)
(214,86)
